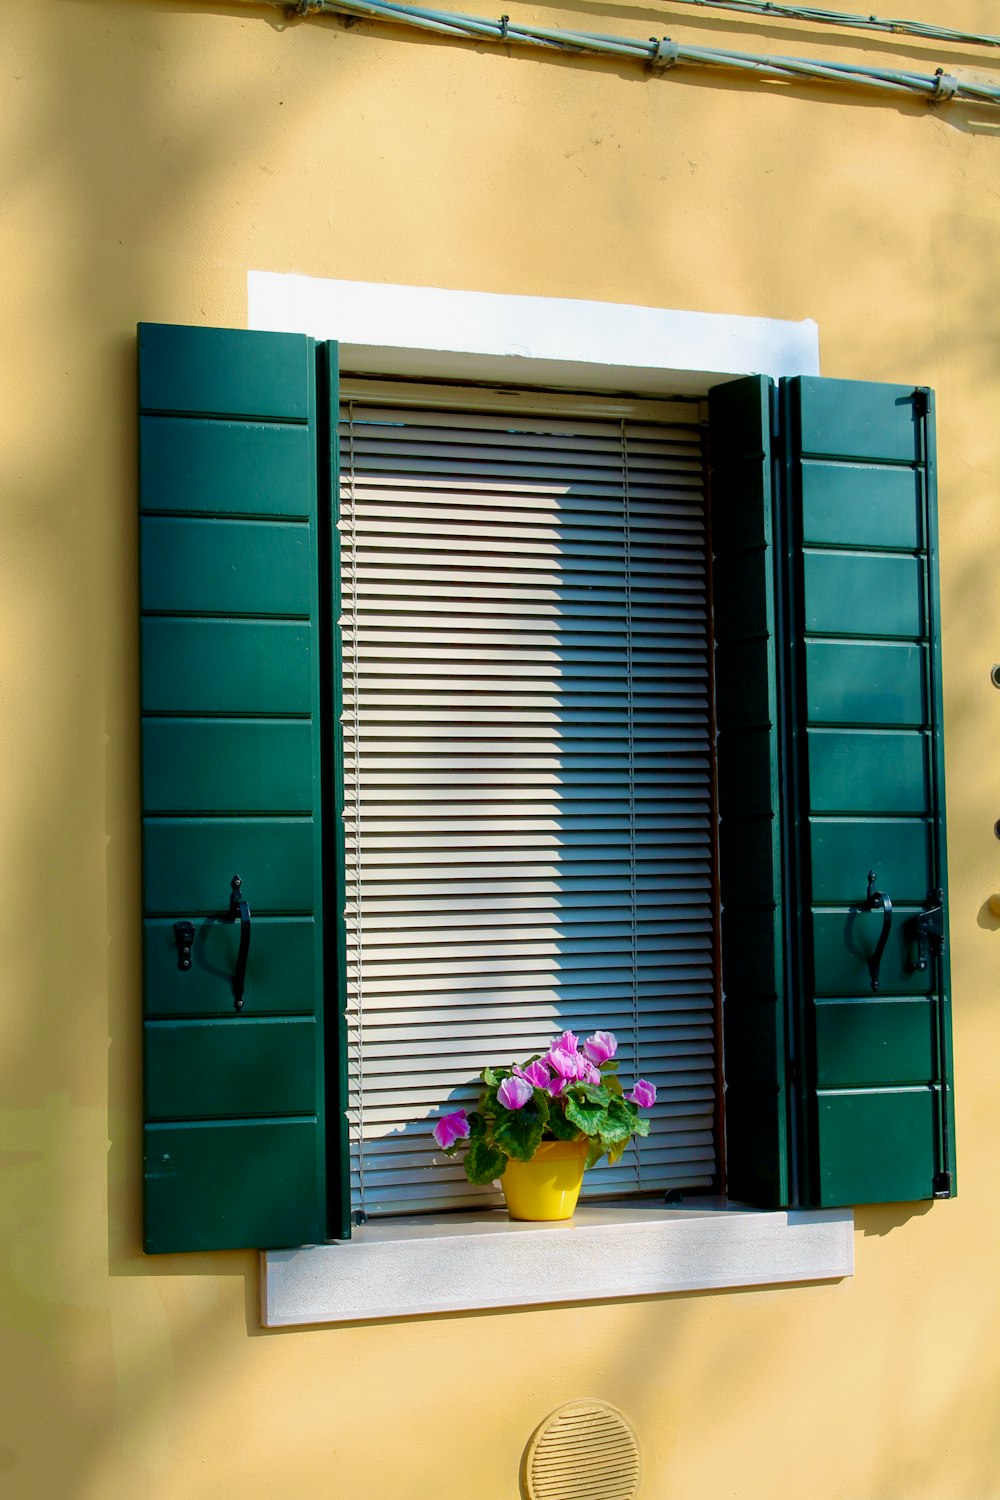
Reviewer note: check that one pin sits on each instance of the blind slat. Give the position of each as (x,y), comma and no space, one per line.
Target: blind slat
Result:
(414,418)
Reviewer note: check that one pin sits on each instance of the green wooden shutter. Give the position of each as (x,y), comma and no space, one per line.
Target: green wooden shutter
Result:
(744,607)
(231,773)
(824,522)
(865,745)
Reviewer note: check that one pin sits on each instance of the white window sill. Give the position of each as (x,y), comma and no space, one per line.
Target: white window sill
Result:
(396,1268)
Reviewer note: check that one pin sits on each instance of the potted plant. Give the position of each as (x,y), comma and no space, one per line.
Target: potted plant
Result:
(538,1125)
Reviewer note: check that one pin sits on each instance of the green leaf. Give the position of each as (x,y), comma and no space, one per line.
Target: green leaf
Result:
(621,1121)
(484,1163)
(616,1151)
(489,1077)
(488,1102)
(641,1127)
(520,1134)
(614,1086)
(558,1125)
(595,1150)
(593,1093)
(586,1118)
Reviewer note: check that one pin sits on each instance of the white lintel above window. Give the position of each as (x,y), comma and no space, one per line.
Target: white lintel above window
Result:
(431,333)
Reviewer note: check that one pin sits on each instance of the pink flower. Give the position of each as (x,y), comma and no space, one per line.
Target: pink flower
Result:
(644,1094)
(566,1064)
(556,1087)
(568,1042)
(514,1093)
(451,1128)
(572,1066)
(601,1046)
(536,1073)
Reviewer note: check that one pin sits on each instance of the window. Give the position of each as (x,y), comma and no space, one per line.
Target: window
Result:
(527,766)
(829,764)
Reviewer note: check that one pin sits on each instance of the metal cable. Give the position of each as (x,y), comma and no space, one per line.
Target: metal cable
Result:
(661,53)
(925,29)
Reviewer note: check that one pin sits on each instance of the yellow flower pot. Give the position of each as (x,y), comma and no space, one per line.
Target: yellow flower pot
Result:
(547,1186)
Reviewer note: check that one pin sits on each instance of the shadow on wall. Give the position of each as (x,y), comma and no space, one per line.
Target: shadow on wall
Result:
(986,917)
(726,32)
(97,1359)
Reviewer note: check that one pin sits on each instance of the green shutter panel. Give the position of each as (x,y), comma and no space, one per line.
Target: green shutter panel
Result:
(828,701)
(750,801)
(865,751)
(231,774)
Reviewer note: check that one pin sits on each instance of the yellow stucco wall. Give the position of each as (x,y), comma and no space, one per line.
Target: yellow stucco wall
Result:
(151,154)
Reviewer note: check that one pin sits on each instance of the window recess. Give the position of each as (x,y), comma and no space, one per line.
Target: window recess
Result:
(526,767)
(830,771)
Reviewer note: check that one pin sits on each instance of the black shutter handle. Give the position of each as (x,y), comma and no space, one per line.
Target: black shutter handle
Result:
(240,908)
(875,900)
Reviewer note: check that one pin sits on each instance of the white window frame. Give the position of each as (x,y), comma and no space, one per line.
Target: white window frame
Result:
(448,1262)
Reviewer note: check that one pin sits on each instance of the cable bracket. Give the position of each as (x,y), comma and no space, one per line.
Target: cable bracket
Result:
(945,86)
(664,56)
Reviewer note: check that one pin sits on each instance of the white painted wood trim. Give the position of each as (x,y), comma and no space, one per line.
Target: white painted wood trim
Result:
(407,1267)
(430,332)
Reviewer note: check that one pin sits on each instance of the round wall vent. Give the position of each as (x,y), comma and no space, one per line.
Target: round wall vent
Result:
(585,1448)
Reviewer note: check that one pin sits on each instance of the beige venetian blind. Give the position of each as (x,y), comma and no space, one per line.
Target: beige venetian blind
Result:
(527,770)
